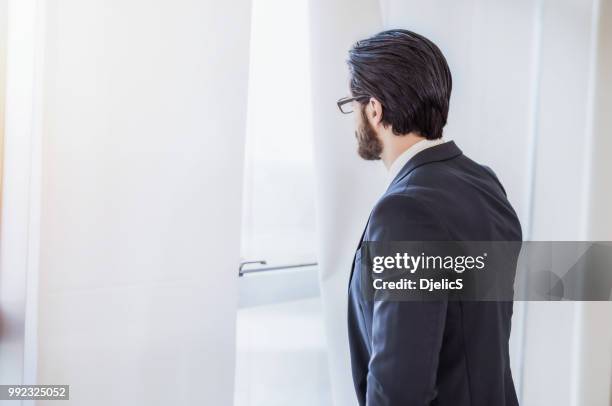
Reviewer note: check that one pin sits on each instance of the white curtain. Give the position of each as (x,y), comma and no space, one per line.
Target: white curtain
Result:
(19,119)
(346,186)
(144,120)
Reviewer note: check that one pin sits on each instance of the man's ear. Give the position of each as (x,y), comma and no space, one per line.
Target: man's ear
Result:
(374,112)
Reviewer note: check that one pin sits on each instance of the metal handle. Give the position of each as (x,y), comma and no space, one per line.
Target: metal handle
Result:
(243,263)
(242,272)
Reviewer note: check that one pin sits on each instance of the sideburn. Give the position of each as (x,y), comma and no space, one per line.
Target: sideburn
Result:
(369,147)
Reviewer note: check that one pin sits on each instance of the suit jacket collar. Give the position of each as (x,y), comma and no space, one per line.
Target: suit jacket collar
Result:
(436,153)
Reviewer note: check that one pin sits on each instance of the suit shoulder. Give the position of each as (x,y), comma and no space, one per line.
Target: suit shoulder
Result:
(401,217)
(396,203)
(493,176)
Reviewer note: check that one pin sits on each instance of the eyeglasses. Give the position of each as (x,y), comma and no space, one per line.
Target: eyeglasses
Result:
(345,104)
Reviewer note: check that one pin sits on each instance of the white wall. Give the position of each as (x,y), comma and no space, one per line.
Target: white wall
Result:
(600,194)
(594,336)
(551,354)
(143,135)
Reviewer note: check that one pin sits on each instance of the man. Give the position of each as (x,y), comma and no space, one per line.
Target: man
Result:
(442,352)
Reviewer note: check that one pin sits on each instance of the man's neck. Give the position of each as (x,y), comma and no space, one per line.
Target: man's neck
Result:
(396,145)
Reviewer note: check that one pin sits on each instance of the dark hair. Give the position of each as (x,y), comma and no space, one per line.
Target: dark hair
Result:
(408,74)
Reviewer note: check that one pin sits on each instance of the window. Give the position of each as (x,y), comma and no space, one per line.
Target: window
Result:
(281,352)
(279,216)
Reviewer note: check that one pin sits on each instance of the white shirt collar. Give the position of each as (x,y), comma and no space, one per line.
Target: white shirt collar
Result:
(407,155)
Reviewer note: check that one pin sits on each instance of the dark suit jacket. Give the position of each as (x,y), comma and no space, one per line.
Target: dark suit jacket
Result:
(435,352)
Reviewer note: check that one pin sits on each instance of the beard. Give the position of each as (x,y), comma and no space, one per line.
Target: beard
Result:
(369,147)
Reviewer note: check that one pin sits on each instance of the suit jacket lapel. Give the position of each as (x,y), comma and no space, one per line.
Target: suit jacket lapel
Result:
(359,247)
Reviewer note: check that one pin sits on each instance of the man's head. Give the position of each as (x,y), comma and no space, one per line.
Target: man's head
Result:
(403,85)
